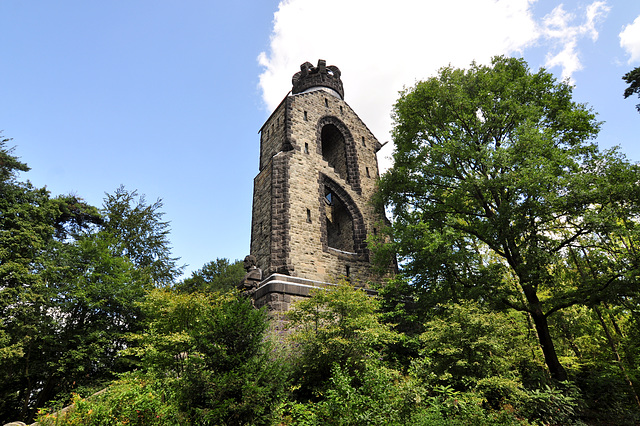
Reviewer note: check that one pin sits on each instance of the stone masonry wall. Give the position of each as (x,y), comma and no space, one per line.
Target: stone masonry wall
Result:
(261,217)
(310,252)
(273,135)
(289,229)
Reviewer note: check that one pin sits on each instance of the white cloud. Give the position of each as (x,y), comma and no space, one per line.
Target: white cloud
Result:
(630,40)
(380,47)
(556,27)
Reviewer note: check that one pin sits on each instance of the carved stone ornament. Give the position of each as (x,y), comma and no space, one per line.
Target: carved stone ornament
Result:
(253,277)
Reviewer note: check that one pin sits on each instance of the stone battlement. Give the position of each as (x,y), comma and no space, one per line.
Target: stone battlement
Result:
(321,76)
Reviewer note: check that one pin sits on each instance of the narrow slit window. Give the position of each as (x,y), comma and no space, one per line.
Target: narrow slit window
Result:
(306,148)
(367,170)
(306,117)
(363,144)
(326,102)
(308,216)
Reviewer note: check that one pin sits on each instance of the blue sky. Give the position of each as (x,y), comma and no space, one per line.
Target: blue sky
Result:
(167,97)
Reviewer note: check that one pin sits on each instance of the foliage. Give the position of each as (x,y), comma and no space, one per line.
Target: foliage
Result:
(376,395)
(205,359)
(465,344)
(69,283)
(337,325)
(632,78)
(217,275)
(140,234)
(215,346)
(134,399)
(553,405)
(382,396)
(496,185)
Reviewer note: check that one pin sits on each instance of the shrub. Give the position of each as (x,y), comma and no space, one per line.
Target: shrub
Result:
(135,399)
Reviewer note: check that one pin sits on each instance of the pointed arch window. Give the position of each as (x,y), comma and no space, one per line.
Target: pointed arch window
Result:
(339,223)
(342,223)
(334,150)
(336,146)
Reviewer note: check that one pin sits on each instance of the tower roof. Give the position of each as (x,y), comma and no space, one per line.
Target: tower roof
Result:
(310,77)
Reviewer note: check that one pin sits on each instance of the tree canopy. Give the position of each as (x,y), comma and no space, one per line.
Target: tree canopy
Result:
(498,193)
(632,78)
(70,279)
(217,275)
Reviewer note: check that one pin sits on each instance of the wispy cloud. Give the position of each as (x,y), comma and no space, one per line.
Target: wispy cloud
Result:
(559,29)
(630,40)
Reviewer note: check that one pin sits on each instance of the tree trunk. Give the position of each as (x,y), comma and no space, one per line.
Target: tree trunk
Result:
(546,343)
(614,349)
(544,336)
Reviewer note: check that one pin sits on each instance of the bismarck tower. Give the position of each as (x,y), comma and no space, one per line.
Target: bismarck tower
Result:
(311,198)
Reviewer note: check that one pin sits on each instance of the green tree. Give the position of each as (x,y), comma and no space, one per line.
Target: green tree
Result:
(33,230)
(340,326)
(496,181)
(26,229)
(217,275)
(632,78)
(70,278)
(211,348)
(140,234)
(466,343)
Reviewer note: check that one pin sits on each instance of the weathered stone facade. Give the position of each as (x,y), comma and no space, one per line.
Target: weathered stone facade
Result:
(318,171)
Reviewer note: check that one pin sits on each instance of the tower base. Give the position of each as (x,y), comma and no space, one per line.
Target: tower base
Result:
(277,292)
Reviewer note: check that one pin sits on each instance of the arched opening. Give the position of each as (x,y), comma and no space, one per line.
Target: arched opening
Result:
(334,150)
(339,223)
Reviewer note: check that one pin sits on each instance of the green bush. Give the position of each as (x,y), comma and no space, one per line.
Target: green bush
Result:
(553,405)
(447,407)
(135,399)
(500,392)
(373,396)
(340,325)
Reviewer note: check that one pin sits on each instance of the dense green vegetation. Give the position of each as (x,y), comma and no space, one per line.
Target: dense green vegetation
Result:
(516,303)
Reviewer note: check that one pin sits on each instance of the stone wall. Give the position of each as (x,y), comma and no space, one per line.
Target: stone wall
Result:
(291,233)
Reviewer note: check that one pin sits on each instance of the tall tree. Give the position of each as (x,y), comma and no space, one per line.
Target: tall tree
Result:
(496,180)
(33,229)
(70,277)
(140,234)
(632,78)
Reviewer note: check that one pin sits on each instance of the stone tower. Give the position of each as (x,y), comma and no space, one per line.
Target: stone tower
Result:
(311,198)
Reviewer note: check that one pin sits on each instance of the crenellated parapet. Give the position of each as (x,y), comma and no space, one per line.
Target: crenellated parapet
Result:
(321,76)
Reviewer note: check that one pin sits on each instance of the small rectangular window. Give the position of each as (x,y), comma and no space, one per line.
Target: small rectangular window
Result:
(306,118)
(306,148)
(308,216)
(367,169)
